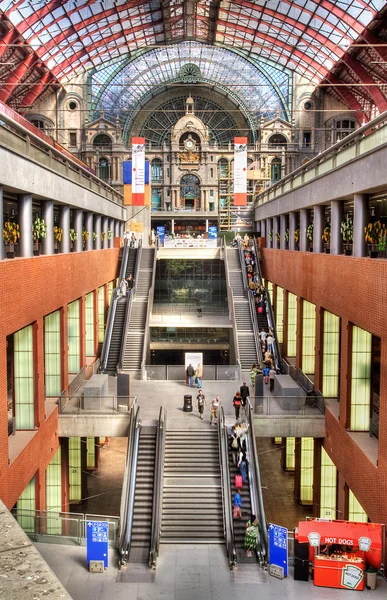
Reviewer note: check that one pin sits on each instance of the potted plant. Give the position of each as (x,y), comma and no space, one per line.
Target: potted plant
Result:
(286,236)
(346,228)
(296,237)
(39,231)
(58,234)
(375,234)
(94,236)
(109,234)
(271,235)
(103,236)
(277,237)
(11,234)
(85,236)
(73,237)
(309,235)
(326,237)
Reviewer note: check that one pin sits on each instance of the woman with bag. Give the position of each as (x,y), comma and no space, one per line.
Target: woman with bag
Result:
(242,464)
(237,506)
(234,447)
(237,401)
(250,539)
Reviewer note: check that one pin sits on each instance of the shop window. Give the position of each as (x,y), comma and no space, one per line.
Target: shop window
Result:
(75,470)
(73,324)
(306,481)
(307,139)
(308,337)
(110,292)
(90,457)
(355,510)
(328,487)
(156,198)
(26,506)
(54,493)
(52,354)
(290,453)
(292,324)
(331,355)
(269,287)
(73,138)
(24,392)
(279,314)
(101,314)
(360,379)
(89,321)
(157,170)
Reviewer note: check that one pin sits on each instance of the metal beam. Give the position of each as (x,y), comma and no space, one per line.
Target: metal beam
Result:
(36,89)
(365,77)
(347,96)
(16,76)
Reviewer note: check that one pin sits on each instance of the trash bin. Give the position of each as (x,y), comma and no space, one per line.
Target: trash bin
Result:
(370,574)
(187,403)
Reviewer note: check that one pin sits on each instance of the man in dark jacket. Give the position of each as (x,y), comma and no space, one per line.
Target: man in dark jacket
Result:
(245,393)
(190,375)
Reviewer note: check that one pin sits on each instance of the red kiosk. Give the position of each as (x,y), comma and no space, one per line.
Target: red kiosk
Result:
(341,550)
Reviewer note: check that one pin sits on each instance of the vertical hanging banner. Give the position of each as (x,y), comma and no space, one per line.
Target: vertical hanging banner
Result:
(138,171)
(240,171)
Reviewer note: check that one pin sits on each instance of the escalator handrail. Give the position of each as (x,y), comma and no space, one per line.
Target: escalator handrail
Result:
(157,487)
(226,489)
(128,485)
(149,312)
(243,267)
(230,299)
(124,261)
(256,493)
(109,331)
(249,294)
(129,304)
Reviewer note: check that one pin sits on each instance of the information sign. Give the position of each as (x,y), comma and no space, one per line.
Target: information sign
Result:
(278,546)
(97,541)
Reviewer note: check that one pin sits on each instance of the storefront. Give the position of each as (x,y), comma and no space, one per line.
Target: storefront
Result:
(340,551)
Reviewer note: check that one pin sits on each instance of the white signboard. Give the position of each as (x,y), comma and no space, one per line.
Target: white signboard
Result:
(138,165)
(240,171)
(193,358)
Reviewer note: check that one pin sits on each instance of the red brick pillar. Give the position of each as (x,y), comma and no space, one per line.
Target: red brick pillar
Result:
(39,383)
(82,333)
(297,470)
(345,373)
(318,442)
(318,357)
(299,333)
(64,348)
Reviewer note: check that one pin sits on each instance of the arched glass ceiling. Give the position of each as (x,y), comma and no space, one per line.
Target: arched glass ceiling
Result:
(307,36)
(261,89)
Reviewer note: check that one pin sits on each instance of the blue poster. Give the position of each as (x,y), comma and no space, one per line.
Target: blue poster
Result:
(160,230)
(212,232)
(127,172)
(278,546)
(97,541)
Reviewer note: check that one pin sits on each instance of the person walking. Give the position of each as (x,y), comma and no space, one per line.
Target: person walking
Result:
(245,394)
(242,464)
(234,447)
(214,410)
(190,372)
(237,402)
(237,506)
(251,534)
(201,400)
(123,287)
(199,375)
(132,241)
(272,375)
(253,374)
(263,335)
(270,343)
(266,374)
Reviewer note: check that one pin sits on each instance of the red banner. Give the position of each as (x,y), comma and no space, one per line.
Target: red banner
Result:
(138,171)
(240,171)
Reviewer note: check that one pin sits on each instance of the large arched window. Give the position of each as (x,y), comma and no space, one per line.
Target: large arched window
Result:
(223,169)
(102,141)
(277,141)
(275,170)
(157,170)
(104,169)
(189,191)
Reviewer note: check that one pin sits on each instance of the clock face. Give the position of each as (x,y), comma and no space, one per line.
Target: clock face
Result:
(189,144)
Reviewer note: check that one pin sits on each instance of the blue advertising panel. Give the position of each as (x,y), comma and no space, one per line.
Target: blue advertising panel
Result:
(97,541)
(213,232)
(160,230)
(278,546)
(127,172)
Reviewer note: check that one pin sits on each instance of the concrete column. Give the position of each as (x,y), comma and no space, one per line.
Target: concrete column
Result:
(89,229)
(97,229)
(111,229)
(360,220)
(207,225)
(263,228)
(78,226)
(283,227)
(122,228)
(1,220)
(304,222)
(48,216)
(64,223)
(25,224)
(105,230)
(116,228)
(276,229)
(173,226)
(269,242)
(292,229)
(337,208)
(318,228)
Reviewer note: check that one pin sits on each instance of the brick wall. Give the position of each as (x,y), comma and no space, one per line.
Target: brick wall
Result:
(354,289)
(31,288)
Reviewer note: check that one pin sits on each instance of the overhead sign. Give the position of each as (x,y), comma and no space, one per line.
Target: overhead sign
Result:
(240,171)
(138,171)
(97,541)
(278,546)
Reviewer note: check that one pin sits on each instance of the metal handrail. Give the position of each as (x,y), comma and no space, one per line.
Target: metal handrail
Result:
(230,298)
(226,490)
(128,488)
(129,304)
(124,261)
(149,312)
(256,486)
(249,294)
(157,487)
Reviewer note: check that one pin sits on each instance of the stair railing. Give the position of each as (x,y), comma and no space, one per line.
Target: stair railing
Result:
(129,486)
(249,295)
(148,313)
(230,299)
(226,490)
(124,262)
(157,490)
(256,497)
(270,315)
(129,305)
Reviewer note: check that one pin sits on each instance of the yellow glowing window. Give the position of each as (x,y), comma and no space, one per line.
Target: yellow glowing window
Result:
(75,469)
(360,379)
(292,324)
(54,493)
(23,355)
(355,510)
(90,445)
(290,453)
(269,286)
(327,487)
(331,355)
(278,441)
(26,507)
(110,291)
(308,336)
(89,307)
(306,484)
(74,350)
(101,313)
(279,314)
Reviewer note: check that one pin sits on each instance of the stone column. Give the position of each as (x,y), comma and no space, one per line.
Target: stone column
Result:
(269,242)
(122,229)
(97,229)
(116,228)
(206,225)
(263,228)
(78,226)
(89,229)
(318,228)
(276,229)
(111,229)
(292,229)
(283,227)
(173,226)
(64,223)
(360,220)
(48,216)
(337,207)
(25,224)
(1,220)
(304,222)
(105,230)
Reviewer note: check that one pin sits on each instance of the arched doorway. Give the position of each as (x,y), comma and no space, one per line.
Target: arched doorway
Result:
(275,170)
(189,192)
